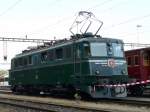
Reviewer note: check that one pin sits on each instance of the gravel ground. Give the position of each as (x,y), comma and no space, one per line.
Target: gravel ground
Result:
(8,108)
(4,108)
(99,105)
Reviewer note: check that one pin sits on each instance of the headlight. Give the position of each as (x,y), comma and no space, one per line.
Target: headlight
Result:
(97,72)
(123,71)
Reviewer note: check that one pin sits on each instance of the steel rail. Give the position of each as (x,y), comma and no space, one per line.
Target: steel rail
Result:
(129,101)
(24,106)
(42,106)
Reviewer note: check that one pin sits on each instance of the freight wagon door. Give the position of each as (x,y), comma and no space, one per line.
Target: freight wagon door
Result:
(145,70)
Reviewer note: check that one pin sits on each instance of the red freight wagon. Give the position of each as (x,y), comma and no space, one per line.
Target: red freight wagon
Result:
(138,61)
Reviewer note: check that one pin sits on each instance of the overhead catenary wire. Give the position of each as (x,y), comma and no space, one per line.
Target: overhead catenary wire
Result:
(111,26)
(65,19)
(123,22)
(114,6)
(129,21)
(50,26)
(100,4)
(10,7)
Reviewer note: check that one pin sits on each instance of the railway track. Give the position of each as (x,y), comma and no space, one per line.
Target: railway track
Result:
(141,101)
(44,104)
(49,104)
(133,101)
(5,87)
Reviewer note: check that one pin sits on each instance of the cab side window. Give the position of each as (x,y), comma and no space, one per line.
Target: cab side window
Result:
(129,61)
(30,60)
(136,60)
(59,53)
(146,60)
(68,53)
(87,51)
(44,56)
(77,51)
(51,55)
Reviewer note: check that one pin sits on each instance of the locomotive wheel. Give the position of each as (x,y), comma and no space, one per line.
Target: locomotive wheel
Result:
(140,91)
(82,96)
(137,90)
(16,91)
(77,96)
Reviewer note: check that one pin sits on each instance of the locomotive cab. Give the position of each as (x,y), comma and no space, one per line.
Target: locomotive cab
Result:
(102,66)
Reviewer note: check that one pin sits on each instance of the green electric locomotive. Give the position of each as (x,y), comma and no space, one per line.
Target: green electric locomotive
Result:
(86,64)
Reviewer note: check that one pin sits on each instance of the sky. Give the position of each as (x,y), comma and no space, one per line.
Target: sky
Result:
(46,19)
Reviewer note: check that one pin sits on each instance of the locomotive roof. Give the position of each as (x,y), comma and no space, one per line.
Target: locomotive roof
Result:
(139,49)
(68,42)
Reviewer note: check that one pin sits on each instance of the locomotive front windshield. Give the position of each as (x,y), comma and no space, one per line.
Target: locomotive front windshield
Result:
(117,50)
(103,49)
(98,49)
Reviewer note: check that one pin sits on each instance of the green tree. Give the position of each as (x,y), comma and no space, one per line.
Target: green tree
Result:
(3,72)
